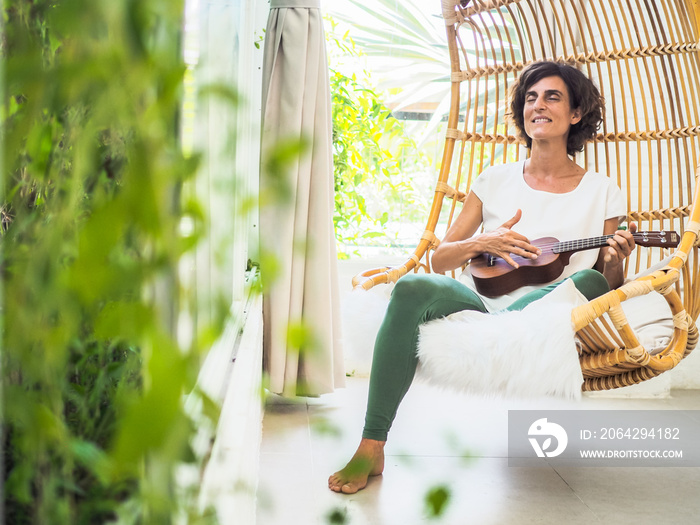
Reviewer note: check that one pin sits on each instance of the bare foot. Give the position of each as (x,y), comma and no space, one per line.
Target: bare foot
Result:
(367,461)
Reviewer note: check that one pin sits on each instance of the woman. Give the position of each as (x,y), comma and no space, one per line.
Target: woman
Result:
(556,110)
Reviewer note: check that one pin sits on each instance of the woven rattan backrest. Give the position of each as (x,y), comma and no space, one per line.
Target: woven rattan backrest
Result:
(642,54)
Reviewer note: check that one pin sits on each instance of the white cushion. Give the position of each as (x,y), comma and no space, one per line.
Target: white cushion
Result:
(649,315)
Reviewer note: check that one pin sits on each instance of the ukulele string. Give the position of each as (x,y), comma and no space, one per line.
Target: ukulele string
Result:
(577,244)
(581,243)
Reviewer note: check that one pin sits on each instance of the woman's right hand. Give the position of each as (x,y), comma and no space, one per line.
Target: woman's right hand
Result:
(503,241)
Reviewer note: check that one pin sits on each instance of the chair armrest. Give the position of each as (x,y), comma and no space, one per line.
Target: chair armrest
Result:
(660,281)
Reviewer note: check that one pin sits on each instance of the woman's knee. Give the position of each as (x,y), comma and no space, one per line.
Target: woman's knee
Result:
(591,283)
(417,287)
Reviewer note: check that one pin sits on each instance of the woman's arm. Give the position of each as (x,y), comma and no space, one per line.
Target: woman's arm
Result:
(611,259)
(460,244)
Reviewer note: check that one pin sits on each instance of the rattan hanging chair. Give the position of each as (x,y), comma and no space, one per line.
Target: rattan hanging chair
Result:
(644,56)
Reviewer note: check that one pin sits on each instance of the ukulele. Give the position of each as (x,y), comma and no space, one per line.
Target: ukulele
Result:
(493,276)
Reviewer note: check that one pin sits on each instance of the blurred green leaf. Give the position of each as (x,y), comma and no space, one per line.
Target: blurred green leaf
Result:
(126,320)
(93,458)
(436,500)
(337,516)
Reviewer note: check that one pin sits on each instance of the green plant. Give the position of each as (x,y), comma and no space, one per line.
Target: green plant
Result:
(373,158)
(408,54)
(93,378)
(258,39)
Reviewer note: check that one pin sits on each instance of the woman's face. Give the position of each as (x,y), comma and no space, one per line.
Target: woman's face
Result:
(547,112)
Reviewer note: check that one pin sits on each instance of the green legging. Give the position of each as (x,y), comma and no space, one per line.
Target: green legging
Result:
(417,299)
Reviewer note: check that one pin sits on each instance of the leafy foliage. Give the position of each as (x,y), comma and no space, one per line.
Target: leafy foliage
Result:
(406,48)
(92,380)
(374,159)
(409,51)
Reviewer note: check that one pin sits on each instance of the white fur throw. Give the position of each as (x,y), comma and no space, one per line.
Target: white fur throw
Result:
(531,353)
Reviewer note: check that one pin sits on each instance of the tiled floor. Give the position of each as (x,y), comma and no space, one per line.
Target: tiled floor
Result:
(446,439)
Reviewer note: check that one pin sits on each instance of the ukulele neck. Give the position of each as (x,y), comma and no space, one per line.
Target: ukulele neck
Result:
(579,245)
(663,239)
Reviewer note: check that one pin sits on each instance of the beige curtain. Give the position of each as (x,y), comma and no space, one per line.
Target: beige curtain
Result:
(304,293)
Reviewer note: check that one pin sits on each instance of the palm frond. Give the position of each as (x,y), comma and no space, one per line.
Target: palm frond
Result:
(407,48)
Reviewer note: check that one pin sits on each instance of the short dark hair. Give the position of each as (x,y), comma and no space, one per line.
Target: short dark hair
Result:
(583,94)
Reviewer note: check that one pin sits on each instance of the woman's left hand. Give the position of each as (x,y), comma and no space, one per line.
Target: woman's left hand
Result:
(621,246)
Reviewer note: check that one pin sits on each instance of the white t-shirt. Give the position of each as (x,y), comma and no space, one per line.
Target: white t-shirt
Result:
(578,214)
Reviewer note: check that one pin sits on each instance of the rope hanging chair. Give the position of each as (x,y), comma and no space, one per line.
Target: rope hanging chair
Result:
(644,57)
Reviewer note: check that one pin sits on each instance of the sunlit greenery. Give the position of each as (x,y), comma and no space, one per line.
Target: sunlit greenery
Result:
(374,159)
(92,376)
(390,54)
(408,48)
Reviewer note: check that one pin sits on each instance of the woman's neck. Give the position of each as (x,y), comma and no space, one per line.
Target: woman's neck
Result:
(551,169)
(549,160)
